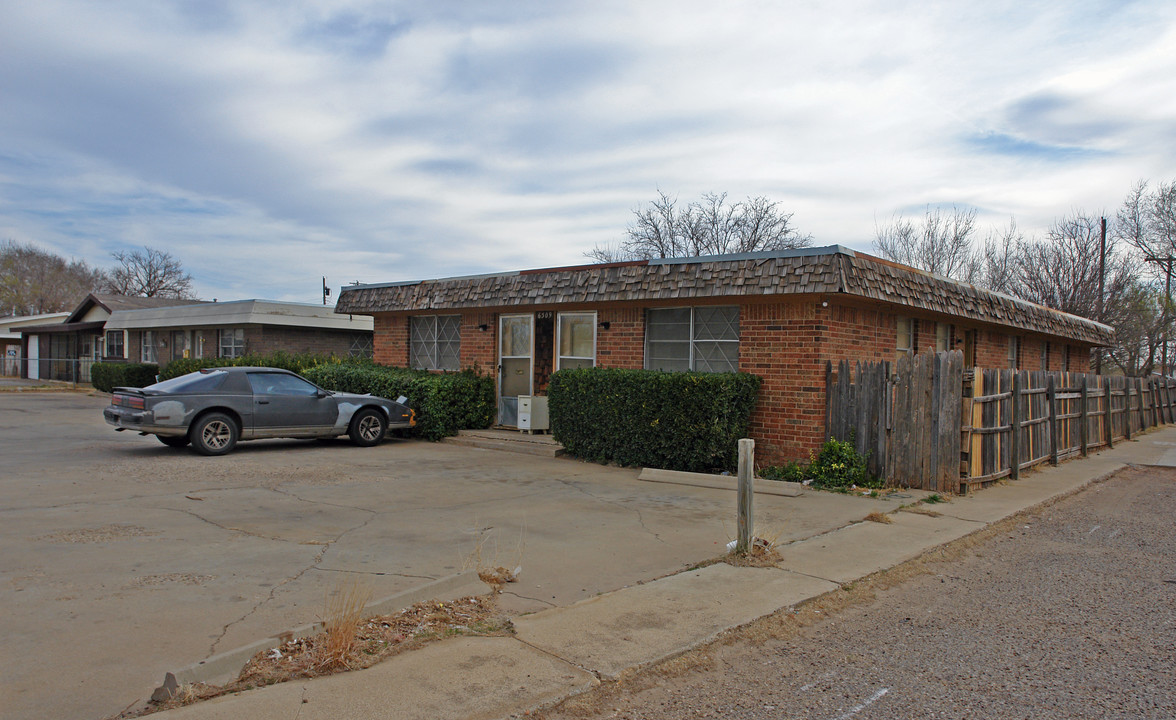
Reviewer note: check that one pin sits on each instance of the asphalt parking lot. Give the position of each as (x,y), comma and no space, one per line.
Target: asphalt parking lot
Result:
(121,559)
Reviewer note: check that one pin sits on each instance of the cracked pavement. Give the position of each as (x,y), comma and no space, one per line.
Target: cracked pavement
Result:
(121,559)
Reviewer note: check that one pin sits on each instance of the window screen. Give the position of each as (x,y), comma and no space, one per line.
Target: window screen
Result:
(705,339)
(435,342)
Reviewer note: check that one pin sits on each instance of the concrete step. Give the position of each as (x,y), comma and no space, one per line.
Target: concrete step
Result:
(508,441)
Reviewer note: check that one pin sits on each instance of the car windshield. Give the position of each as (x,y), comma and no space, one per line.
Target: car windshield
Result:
(192,382)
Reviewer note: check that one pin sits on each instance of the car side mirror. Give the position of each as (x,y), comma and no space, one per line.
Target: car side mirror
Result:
(322,394)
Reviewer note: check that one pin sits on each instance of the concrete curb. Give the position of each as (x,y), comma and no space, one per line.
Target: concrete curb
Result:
(719,482)
(224,667)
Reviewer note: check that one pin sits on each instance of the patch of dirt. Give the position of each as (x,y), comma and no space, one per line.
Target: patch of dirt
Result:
(166,578)
(106,533)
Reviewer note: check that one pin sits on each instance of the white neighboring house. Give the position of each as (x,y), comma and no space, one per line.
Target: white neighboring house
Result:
(236,328)
(10,346)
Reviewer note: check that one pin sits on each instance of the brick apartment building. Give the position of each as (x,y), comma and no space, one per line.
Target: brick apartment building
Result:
(779,315)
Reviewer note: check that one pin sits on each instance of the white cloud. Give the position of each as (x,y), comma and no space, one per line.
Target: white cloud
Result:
(267,144)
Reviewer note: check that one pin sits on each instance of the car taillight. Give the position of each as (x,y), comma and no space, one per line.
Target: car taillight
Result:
(132,401)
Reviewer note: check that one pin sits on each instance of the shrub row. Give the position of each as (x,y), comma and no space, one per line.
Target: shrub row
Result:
(298,363)
(645,418)
(444,403)
(106,376)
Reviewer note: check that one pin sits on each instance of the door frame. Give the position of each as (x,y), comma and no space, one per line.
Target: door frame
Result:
(503,417)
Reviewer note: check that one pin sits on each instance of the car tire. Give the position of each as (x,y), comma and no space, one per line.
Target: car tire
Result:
(174,441)
(368,427)
(213,434)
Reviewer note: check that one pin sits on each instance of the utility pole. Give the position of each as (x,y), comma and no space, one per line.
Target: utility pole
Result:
(1102,275)
(326,291)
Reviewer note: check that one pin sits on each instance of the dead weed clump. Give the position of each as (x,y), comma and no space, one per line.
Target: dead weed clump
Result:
(350,642)
(358,644)
(760,553)
(879,517)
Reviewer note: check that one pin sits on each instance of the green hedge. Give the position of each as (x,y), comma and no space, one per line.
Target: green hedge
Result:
(675,421)
(299,363)
(444,403)
(106,376)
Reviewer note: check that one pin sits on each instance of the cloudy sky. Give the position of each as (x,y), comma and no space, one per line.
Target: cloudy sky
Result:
(269,143)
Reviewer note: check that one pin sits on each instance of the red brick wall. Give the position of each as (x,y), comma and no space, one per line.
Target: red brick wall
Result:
(479,348)
(785,343)
(390,344)
(782,344)
(622,345)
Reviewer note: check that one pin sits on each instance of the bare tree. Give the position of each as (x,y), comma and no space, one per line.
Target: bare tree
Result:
(1143,319)
(149,273)
(709,226)
(999,258)
(941,244)
(35,281)
(1062,272)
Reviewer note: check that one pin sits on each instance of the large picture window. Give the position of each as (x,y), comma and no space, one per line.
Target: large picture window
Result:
(232,343)
(435,342)
(704,339)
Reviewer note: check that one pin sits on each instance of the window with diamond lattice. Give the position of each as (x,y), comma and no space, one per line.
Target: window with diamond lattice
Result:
(704,339)
(361,346)
(435,342)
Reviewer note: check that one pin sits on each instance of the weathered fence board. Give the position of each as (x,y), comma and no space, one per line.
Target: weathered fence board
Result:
(927,423)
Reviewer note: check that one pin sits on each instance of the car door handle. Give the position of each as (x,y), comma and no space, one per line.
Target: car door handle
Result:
(263,402)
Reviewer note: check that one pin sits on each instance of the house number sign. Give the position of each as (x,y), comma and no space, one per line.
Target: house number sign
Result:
(545,315)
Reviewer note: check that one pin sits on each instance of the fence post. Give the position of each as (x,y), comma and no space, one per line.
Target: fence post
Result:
(1155,400)
(746,466)
(1127,407)
(1084,418)
(1051,392)
(1015,427)
(1139,392)
(1108,423)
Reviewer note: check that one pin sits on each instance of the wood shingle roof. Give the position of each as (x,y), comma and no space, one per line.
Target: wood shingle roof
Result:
(810,271)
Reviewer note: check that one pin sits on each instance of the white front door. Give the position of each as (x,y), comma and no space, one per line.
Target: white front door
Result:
(34,357)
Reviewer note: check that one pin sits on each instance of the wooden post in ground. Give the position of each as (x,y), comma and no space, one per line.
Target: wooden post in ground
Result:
(746,474)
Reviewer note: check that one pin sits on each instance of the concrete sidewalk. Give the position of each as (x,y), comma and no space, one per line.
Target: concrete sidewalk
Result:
(559,652)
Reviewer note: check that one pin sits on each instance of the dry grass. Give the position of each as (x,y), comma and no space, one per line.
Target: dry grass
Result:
(760,553)
(345,608)
(879,517)
(920,510)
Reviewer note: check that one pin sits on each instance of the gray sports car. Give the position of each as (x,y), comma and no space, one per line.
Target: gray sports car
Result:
(214,408)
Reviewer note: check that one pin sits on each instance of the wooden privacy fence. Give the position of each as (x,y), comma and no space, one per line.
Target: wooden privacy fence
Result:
(935,426)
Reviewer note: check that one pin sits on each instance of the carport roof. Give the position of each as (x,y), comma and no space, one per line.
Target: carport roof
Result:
(828,270)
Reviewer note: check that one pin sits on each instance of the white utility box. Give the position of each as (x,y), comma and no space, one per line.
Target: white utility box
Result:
(533,413)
